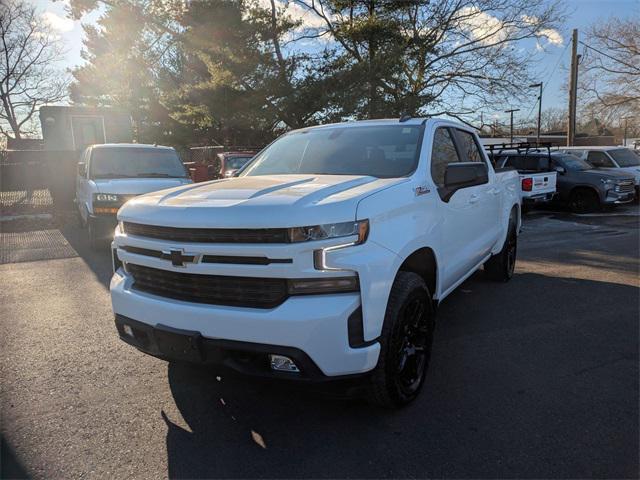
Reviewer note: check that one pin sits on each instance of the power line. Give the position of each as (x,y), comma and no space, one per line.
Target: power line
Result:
(608,56)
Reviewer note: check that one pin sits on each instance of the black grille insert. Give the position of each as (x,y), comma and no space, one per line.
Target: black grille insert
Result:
(211,289)
(209,235)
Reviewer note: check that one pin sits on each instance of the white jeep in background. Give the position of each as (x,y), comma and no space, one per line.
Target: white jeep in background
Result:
(110,174)
(325,258)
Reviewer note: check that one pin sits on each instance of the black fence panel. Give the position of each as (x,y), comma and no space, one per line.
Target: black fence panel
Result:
(25,170)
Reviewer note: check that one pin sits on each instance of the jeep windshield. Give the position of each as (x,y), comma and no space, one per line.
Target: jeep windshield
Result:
(383,151)
(625,157)
(135,162)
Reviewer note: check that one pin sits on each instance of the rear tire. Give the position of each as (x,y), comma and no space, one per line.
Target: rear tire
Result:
(405,343)
(584,200)
(500,267)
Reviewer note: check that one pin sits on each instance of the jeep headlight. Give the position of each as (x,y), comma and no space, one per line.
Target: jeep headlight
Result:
(331,230)
(105,197)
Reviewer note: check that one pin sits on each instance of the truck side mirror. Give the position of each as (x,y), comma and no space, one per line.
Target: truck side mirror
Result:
(82,169)
(463,175)
(561,170)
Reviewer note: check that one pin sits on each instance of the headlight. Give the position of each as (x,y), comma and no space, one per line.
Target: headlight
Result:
(331,230)
(105,197)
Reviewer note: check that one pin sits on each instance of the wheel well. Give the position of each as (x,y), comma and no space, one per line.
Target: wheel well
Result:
(422,262)
(585,188)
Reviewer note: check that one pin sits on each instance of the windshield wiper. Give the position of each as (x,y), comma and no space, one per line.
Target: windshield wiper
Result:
(158,175)
(112,175)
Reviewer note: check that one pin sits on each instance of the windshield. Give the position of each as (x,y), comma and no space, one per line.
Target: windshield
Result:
(625,157)
(122,162)
(572,163)
(383,151)
(234,163)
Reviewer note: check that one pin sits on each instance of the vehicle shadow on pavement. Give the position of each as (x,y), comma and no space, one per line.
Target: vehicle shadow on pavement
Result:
(10,466)
(99,261)
(517,374)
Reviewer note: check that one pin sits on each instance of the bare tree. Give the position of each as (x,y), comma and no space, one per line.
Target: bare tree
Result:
(30,51)
(450,57)
(611,70)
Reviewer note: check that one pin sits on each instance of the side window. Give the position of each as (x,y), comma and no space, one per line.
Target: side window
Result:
(469,149)
(599,159)
(443,153)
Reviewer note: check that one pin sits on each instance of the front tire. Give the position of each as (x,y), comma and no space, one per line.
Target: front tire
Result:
(407,336)
(81,222)
(583,200)
(94,241)
(500,267)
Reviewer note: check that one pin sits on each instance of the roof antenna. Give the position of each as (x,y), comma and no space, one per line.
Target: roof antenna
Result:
(405,117)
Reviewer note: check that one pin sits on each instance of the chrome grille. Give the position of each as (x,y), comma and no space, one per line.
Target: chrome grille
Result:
(624,187)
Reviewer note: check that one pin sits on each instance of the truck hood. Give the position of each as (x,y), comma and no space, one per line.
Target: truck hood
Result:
(629,171)
(277,201)
(137,186)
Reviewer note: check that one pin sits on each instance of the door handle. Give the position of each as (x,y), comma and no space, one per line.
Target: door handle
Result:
(494,191)
(473,198)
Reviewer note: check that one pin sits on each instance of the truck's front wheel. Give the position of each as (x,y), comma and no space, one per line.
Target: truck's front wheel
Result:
(405,342)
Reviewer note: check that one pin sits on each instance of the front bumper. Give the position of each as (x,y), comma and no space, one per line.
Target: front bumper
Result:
(246,358)
(313,330)
(615,198)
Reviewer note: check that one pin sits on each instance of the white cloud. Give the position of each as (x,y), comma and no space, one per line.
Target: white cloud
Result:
(551,35)
(296,11)
(58,23)
(490,29)
(482,26)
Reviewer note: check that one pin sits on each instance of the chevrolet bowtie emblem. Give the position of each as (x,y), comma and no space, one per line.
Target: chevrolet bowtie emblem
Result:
(178,258)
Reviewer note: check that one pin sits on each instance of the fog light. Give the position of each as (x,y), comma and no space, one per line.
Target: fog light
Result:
(282,363)
(128,330)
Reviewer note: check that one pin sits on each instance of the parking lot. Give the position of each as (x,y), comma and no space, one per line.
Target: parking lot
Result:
(534,378)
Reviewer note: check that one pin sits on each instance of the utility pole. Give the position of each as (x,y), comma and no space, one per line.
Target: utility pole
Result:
(573,86)
(539,108)
(625,131)
(511,112)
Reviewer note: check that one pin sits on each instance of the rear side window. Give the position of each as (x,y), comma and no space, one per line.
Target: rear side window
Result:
(443,153)
(532,163)
(469,149)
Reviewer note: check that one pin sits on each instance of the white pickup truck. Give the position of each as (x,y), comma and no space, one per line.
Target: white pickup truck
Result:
(324,259)
(538,180)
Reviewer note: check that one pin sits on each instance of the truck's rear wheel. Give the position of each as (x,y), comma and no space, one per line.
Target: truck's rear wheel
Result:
(405,342)
(500,267)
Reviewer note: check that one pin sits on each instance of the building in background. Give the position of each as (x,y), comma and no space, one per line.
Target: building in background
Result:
(74,128)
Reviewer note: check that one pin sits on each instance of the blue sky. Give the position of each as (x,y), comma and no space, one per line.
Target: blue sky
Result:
(552,68)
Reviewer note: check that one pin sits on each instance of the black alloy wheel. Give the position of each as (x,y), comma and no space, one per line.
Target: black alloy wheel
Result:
(413,347)
(583,201)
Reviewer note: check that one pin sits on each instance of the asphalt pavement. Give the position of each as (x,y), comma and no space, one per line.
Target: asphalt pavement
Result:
(534,378)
